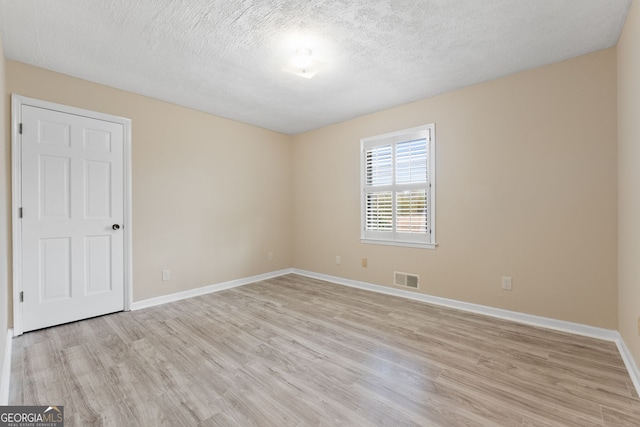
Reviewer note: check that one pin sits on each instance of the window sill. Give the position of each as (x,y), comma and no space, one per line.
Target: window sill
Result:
(401,244)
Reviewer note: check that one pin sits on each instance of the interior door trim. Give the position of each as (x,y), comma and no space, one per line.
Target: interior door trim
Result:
(17,101)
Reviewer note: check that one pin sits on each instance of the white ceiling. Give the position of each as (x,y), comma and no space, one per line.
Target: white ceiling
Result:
(226,57)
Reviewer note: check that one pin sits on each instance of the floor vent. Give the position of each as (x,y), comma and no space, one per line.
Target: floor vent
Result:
(407,280)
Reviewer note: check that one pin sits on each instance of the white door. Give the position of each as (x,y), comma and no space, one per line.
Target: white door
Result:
(72,217)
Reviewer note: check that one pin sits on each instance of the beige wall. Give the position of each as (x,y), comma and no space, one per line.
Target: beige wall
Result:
(526,173)
(211,197)
(5,195)
(526,187)
(629,181)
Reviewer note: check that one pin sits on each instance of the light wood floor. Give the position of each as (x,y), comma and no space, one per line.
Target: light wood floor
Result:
(293,351)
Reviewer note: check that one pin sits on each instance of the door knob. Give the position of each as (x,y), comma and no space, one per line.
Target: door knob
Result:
(116,227)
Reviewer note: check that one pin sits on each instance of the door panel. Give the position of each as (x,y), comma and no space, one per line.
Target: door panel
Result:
(55,269)
(98,264)
(53,133)
(72,194)
(54,187)
(97,140)
(98,189)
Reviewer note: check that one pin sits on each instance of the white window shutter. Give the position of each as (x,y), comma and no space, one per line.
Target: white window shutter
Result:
(397,187)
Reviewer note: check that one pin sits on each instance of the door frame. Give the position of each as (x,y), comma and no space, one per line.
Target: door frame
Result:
(17,101)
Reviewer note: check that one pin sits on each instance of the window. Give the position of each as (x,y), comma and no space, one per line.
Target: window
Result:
(398,188)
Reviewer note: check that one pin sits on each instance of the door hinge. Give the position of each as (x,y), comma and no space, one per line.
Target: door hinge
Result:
(21,296)
(19,212)
(20,128)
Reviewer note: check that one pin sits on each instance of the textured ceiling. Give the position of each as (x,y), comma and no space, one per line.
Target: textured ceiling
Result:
(226,57)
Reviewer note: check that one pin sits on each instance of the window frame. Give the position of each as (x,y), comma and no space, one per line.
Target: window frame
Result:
(395,238)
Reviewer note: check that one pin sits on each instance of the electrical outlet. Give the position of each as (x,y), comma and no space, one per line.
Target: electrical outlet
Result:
(364,262)
(166,275)
(506,283)
(270,256)
(338,260)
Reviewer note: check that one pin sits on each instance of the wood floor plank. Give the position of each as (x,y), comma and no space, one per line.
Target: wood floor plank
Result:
(295,351)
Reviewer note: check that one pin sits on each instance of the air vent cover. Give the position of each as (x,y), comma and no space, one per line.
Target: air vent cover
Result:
(406,280)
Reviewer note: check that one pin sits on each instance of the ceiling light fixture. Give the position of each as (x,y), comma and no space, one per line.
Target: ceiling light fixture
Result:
(303,64)
(302,58)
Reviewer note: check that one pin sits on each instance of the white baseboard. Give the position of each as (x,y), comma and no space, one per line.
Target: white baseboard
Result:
(5,381)
(514,316)
(629,362)
(151,302)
